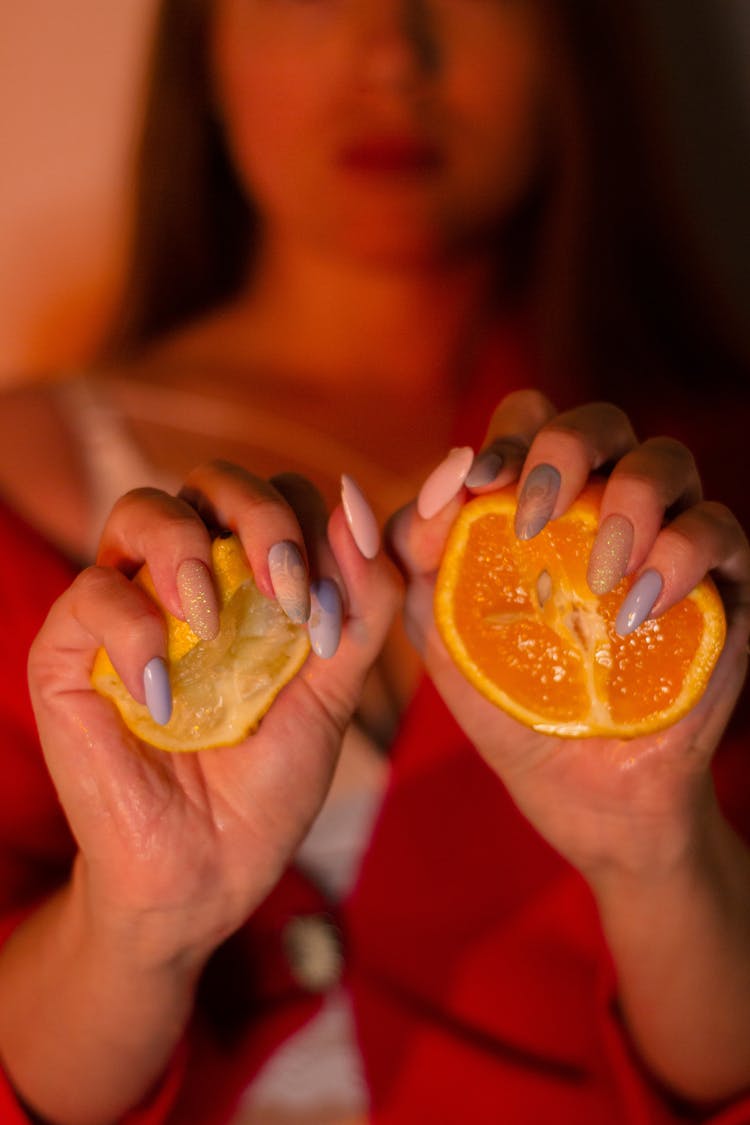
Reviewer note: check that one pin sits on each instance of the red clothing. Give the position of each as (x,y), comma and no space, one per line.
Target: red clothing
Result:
(482,988)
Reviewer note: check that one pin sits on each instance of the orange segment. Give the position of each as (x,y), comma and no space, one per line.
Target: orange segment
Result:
(221,688)
(521,623)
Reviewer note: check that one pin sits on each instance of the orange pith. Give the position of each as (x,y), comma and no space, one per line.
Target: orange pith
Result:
(521,623)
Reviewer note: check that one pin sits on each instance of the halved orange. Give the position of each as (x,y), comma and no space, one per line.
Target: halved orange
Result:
(522,624)
(220,688)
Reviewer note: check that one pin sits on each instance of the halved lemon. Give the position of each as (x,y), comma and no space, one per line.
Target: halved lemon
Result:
(521,623)
(220,688)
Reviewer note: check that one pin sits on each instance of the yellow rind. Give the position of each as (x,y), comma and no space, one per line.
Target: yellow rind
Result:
(221,688)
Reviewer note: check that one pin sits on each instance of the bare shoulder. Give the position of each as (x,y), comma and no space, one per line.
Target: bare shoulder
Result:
(40,471)
(30,415)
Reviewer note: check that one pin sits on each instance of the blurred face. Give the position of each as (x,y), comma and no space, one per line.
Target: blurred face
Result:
(386,130)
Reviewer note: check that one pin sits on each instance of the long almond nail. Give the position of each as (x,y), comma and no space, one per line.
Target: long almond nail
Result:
(326,616)
(360,517)
(198,598)
(537,501)
(610,554)
(640,601)
(157,690)
(485,469)
(289,580)
(445,482)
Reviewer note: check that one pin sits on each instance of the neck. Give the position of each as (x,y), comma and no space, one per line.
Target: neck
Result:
(356,322)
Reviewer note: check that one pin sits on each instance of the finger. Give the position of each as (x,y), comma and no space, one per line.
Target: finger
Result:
(328,599)
(513,424)
(561,458)
(102,608)
(373,595)
(416,534)
(512,428)
(417,544)
(658,476)
(704,538)
(312,514)
(149,526)
(266,525)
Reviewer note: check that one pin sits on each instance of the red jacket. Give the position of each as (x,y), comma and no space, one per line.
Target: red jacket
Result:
(482,988)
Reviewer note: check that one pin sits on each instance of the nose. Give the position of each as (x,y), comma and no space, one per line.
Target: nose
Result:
(399,43)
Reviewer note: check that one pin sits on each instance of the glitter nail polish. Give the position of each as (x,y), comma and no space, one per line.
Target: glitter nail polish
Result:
(198,598)
(610,554)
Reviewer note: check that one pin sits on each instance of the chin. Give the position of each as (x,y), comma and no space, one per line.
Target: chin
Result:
(399,246)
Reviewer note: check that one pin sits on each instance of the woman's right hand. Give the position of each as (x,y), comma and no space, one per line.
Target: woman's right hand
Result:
(176,850)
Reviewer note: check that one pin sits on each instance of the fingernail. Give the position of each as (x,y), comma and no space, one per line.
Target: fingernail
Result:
(360,517)
(198,598)
(289,580)
(610,554)
(326,615)
(157,690)
(485,469)
(537,501)
(639,602)
(444,482)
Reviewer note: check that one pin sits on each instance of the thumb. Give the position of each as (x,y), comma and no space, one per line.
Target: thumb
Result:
(417,544)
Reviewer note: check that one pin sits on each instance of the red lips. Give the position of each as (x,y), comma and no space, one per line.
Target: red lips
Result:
(391,155)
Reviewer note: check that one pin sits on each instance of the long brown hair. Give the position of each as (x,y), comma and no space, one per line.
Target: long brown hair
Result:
(192,224)
(604,242)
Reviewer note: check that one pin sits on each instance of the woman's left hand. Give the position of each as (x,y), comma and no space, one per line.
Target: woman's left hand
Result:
(599,802)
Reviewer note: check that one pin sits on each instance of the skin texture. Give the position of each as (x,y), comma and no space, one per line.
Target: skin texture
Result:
(98,985)
(639,819)
(163,874)
(466,79)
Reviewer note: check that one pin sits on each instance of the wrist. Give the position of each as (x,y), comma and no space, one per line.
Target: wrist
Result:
(674,859)
(654,842)
(145,940)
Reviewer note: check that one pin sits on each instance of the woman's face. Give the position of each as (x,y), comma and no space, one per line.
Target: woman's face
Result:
(396,131)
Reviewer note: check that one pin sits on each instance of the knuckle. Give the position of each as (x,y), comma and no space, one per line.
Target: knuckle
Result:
(528,408)
(669,449)
(677,545)
(721,515)
(567,442)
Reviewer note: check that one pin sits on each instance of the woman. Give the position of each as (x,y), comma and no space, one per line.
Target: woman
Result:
(437,217)
(346,219)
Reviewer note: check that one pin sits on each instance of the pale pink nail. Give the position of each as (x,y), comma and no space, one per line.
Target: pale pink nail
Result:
(360,518)
(445,481)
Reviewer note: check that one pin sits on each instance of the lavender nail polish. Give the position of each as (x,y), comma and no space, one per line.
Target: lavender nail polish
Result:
(158,691)
(289,580)
(639,602)
(326,616)
(537,501)
(360,518)
(444,482)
